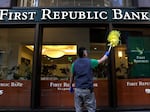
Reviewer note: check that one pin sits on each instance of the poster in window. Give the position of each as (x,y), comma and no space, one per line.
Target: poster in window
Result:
(139,56)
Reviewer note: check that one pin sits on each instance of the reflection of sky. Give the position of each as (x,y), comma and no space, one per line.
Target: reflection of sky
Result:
(36,2)
(117,2)
(5,3)
(120,2)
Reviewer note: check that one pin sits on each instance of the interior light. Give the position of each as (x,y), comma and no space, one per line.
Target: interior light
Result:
(57,51)
(95,48)
(120,54)
(55,54)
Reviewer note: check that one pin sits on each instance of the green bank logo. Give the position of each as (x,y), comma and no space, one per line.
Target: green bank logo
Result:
(139,57)
(138,50)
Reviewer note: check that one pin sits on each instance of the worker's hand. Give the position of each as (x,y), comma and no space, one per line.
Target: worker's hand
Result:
(71,90)
(107,53)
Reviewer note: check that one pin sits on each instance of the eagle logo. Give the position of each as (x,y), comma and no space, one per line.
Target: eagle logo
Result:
(140,51)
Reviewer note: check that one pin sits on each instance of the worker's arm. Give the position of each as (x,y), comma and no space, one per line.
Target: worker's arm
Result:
(105,57)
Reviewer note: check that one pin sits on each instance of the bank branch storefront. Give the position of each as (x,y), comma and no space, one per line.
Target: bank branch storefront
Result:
(38,46)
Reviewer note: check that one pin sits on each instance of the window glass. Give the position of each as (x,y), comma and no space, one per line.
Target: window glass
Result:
(121,62)
(66,3)
(132,67)
(15,67)
(86,3)
(57,60)
(76,3)
(129,62)
(26,3)
(144,3)
(122,3)
(139,57)
(15,59)
(47,3)
(83,3)
(97,49)
(5,3)
(54,77)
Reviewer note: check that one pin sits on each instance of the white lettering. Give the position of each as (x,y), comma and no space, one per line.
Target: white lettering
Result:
(141,61)
(65,84)
(81,15)
(145,16)
(63,89)
(126,16)
(10,16)
(144,83)
(16,84)
(46,14)
(52,15)
(56,15)
(24,16)
(89,15)
(135,15)
(117,13)
(140,57)
(4,84)
(96,15)
(31,15)
(64,14)
(53,84)
(3,13)
(132,84)
(103,15)
(73,15)
(95,85)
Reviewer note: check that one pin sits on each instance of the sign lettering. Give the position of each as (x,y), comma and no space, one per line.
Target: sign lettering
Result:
(11,84)
(64,85)
(139,83)
(72,15)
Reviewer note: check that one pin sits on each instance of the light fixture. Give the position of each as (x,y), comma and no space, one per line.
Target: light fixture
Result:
(95,48)
(55,54)
(120,54)
(56,51)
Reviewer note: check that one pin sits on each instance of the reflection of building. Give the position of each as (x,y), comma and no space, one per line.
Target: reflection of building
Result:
(49,85)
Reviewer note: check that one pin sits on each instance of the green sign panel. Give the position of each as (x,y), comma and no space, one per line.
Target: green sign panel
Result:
(139,56)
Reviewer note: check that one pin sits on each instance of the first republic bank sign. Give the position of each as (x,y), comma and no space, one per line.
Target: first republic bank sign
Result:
(73,15)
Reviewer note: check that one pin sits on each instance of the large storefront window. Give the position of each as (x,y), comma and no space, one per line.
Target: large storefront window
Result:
(132,61)
(85,3)
(59,52)
(77,3)
(27,3)
(5,3)
(15,66)
(56,61)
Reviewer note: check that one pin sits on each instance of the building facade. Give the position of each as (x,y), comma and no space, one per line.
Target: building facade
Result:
(39,41)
